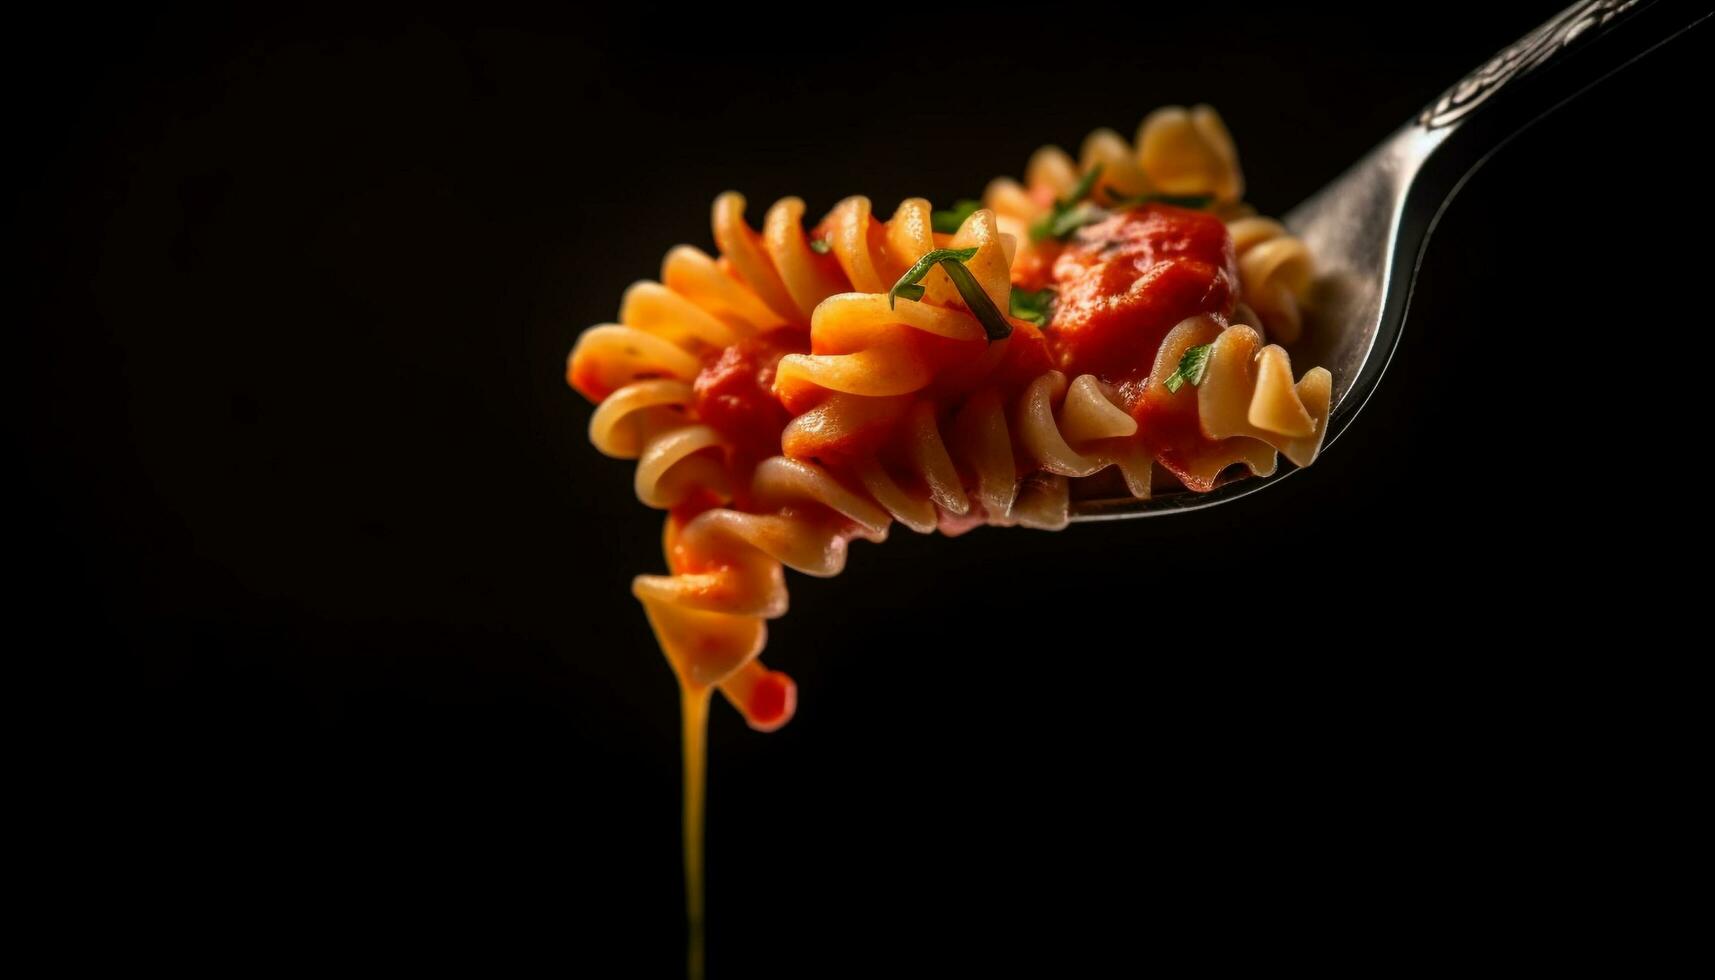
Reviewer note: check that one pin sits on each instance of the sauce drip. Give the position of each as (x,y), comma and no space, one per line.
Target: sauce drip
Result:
(694,712)
(710,650)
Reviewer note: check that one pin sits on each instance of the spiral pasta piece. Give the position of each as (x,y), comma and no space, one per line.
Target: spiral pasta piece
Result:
(1276,271)
(726,575)
(863,344)
(1189,151)
(1249,392)
(642,373)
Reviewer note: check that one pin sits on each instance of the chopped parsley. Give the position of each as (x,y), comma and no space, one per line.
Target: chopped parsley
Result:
(951,220)
(1031,305)
(1196,202)
(1070,212)
(952,261)
(1192,367)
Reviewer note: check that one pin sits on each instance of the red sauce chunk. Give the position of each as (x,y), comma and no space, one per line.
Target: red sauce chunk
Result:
(735,392)
(1123,283)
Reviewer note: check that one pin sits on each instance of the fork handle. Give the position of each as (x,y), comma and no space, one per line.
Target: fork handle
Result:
(1534,75)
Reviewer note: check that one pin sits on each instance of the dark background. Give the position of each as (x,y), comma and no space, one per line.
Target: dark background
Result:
(311,516)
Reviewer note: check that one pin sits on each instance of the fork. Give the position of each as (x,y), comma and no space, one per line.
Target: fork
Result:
(1368,227)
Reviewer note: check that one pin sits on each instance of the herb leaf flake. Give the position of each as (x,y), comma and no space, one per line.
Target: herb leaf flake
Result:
(1195,202)
(952,261)
(948,222)
(1031,306)
(1070,212)
(1193,367)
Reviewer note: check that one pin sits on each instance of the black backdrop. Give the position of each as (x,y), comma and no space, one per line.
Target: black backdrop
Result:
(312,516)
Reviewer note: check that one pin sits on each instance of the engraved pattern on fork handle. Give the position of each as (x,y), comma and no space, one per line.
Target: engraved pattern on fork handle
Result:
(1519,58)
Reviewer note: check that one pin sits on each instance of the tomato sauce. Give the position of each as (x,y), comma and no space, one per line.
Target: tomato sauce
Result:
(735,392)
(1124,282)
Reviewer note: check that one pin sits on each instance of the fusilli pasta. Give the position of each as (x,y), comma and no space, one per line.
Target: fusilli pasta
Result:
(795,393)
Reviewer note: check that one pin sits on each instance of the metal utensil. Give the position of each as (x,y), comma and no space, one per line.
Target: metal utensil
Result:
(1367,229)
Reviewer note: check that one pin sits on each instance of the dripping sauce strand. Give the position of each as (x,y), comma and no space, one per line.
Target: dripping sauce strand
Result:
(710,651)
(694,710)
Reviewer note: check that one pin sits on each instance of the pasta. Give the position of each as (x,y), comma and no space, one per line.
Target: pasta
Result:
(1105,319)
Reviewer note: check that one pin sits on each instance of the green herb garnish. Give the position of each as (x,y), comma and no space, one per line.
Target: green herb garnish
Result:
(952,261)
(950,221)
(1196,202)
(1060,224)
(1085,185)
(907,284)
(1192,367)
(972,292)
(1031,306)
(1070,213)
(820,246)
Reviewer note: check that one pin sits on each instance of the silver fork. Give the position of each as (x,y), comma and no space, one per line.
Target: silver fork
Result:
(1367,229)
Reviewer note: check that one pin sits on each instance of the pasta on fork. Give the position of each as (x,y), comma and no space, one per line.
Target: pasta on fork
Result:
(1113,322)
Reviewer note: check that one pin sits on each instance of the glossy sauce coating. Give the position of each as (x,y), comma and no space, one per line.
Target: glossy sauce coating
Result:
(735,391)
(1124,282)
